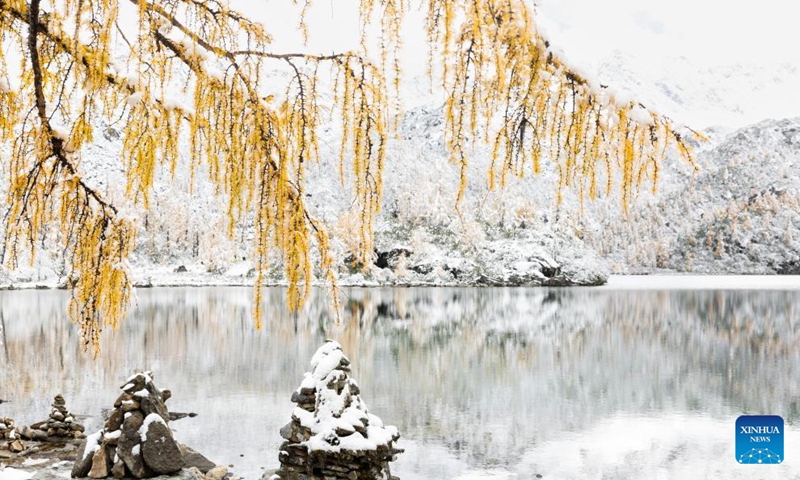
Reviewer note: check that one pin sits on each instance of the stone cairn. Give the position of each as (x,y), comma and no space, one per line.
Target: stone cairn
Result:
(331,434)
(136,441)
(9,437)
(61,425)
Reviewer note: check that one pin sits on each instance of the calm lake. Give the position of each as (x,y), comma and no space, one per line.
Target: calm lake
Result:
(575,383)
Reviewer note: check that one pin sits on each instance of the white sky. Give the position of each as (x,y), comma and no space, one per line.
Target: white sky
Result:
(723,31)
(716,31)
(660,42)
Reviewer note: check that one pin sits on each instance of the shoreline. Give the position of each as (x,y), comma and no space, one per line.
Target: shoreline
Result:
(638,281)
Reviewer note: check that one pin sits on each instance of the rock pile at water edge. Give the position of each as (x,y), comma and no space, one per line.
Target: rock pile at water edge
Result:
(136,441)
(331,434)
(61,425)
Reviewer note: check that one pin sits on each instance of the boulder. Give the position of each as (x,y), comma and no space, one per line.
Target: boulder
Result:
(100,466)
(115,419)
(159,449)
(136,440)
(83,464)
(128,445)
(191,458)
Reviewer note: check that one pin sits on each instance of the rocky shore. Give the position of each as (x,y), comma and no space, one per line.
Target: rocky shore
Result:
(331,435)
(135,442)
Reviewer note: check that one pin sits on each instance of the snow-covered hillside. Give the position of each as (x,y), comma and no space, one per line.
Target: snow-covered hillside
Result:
(738,215)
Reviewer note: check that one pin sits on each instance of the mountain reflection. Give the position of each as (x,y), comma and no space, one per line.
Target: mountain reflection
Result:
(484,375)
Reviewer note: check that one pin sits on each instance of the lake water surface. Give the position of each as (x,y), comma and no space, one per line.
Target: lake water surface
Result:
(576,383)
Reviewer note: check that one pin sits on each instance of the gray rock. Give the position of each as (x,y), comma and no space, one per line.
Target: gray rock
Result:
(115,419)
(179,415)
(118,470)
(160,450)
(191,458)
(154,404)
(191,473)
(135,383)
(128,441)
(24,432)
(83,464)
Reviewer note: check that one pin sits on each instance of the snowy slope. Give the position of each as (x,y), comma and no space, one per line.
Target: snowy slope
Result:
(740,214)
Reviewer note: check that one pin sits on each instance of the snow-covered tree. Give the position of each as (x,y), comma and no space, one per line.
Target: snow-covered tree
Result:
(198,71)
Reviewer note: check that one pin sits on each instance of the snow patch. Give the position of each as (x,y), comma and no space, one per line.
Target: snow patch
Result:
(134,98)
(92,444)
(14,474)
(152,418)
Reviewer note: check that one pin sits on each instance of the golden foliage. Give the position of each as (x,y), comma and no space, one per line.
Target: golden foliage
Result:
(504,85)
(507,87)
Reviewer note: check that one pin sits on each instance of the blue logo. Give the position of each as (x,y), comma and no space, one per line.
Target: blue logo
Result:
(759,439)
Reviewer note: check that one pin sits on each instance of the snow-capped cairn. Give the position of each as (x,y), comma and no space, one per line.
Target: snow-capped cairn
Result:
(9,437)
(331,434)
(136,440)
(61,425)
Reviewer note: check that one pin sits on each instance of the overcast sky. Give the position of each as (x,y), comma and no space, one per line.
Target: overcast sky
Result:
(658,41)
(718,31)
(721,31)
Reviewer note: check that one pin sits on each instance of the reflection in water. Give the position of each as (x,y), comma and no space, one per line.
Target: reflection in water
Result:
(488,380)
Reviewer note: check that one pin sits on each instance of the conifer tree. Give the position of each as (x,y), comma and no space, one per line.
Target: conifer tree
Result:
(505,85)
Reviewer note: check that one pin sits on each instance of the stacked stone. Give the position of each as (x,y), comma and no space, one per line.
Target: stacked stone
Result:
(136,440)
(59,426)
(9,437)
(331,434)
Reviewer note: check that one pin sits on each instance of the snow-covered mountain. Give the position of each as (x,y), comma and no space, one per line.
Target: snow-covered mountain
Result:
(728,95)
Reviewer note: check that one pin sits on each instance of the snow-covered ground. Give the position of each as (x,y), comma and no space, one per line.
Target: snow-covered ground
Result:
(702,282)
(14,474)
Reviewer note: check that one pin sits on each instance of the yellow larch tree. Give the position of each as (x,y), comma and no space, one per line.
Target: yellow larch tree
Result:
(504,86)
